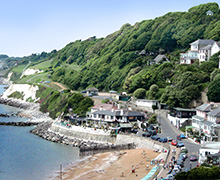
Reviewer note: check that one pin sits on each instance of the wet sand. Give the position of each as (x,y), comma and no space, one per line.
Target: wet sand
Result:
(113,166)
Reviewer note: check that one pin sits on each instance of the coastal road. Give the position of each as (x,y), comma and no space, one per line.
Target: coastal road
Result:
(169,130)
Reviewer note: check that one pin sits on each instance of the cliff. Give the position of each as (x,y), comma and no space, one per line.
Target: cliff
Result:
(21,91)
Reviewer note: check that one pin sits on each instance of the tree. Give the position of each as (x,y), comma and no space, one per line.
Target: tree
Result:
(140,93)
(213,91)
(153,91)
(214,73)
(153,119)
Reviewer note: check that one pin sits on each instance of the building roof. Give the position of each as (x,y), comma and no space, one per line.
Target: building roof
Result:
(205,107)
(208,47)
(92,89)
(160,57)
(215,113)
(208,123)
(209,12)
(104,106)
(218,43)
(146,100)
(211,145)
(203,42)
(182,109)
(198,117)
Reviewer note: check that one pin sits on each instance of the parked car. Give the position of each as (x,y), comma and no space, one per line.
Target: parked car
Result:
(193,158)
(183,150)
(153,132)
(169,138)
(170,176)
(163,140)
(155,137)
(178,137)
(174,142)
(184,155)
(179,162)
(182,136)
(179,144)
(146,134)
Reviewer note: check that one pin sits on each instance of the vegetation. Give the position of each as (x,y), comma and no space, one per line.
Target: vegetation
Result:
(140,93)
(56,102)
(203,173)
(121,61)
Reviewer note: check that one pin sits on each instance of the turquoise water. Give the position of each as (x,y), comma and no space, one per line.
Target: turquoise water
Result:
(24,156)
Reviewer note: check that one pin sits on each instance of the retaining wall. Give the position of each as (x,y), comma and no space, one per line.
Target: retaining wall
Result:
(85,136)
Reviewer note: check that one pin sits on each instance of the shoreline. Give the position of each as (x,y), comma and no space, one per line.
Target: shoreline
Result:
(112,165)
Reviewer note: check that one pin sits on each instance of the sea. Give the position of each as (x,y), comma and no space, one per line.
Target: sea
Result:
(25,156)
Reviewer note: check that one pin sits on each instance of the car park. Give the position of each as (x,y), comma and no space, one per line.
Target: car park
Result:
(174,142)
(146,134)
(193,158)
(179,144)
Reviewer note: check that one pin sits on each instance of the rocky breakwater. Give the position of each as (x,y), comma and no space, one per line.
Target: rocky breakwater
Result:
(28,123)
(86,147)
(16,103)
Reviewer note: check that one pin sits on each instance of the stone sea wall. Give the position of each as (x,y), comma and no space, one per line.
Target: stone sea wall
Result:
(101,138)
(45,130)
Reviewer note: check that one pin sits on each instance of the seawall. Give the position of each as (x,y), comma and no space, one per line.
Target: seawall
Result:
(95,137)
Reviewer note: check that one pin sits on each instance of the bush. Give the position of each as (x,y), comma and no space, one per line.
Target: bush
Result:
(140,93)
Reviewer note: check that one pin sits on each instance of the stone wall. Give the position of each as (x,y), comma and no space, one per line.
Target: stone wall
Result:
(85,136)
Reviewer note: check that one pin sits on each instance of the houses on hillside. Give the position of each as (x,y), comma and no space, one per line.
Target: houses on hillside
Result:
(201,49)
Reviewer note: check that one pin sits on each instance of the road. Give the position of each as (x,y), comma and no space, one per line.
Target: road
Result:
(169,130)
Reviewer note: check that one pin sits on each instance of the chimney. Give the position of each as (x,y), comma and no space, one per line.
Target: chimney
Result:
(129,108)
(101,108)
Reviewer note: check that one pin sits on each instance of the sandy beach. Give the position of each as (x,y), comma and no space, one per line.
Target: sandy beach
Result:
(112,166)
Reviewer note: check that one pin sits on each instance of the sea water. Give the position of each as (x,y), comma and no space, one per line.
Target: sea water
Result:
(25,156)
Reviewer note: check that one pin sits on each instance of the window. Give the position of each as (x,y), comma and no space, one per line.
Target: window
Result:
(207,153)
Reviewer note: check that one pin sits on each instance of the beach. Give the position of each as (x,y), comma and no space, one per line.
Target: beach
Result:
(116,165)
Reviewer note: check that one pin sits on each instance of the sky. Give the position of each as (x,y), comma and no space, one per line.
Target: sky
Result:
(34,26)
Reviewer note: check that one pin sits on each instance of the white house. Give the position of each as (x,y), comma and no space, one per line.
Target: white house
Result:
(189,57)
(209,13)
(199,49)
(205,53)
(206,149)
(215,48)
(201,116)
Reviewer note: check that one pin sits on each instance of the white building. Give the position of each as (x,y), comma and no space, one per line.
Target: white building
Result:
(201,49)
(146,103)
(208,148)
(215,48)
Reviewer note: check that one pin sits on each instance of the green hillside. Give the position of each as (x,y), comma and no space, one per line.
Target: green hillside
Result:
(121,60)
